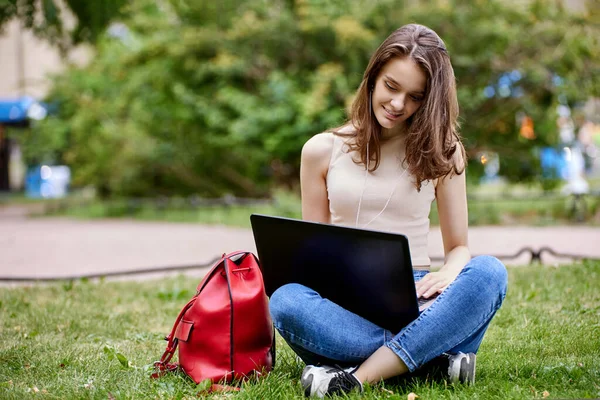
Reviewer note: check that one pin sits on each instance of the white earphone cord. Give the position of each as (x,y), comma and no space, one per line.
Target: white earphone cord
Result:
(363,192)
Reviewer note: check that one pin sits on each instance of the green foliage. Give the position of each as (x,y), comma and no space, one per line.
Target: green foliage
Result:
(219,97)
(46,18)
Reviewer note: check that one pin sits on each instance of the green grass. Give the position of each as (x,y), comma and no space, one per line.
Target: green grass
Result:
(237,216)
(541,211)
(12,198)
(284,204)
(97,340)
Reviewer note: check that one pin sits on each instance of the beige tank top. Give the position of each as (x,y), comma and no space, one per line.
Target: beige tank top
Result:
(407,211)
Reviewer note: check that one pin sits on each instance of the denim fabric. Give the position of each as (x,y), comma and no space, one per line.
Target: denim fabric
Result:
(321,332)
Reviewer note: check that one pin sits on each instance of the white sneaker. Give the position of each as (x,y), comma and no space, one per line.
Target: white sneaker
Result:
(462,368)
(327,381)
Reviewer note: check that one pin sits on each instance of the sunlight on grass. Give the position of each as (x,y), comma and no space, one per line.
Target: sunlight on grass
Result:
(99,339)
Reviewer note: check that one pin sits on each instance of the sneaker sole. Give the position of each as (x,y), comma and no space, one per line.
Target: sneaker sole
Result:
(306,381)
(462,370)
(468,368)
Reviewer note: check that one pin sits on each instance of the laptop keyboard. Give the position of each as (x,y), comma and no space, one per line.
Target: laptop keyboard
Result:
(422,300)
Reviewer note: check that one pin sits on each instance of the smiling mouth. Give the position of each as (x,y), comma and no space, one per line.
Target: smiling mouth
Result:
(391,114)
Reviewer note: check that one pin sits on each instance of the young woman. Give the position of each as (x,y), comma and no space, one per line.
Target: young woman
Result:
(398,152)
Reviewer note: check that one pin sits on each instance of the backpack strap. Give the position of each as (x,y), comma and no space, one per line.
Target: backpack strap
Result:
(163,366)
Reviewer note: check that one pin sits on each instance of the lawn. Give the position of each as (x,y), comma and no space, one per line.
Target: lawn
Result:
(512,208)
(97,340)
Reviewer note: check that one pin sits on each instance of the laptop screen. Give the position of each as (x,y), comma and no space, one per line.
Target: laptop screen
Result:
(366,272)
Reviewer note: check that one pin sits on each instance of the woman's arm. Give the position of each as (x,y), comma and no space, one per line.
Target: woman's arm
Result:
(314,165)
(451,196)
(452,208)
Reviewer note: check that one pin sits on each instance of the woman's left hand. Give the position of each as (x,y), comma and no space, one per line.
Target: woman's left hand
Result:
(434,283)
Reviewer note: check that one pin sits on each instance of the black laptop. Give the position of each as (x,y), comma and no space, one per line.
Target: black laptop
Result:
(366,272)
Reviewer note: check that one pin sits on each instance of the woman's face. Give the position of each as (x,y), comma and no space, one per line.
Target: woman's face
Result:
(398,93)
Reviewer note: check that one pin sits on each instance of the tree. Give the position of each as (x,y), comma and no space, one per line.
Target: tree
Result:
(219,97)
(46,18)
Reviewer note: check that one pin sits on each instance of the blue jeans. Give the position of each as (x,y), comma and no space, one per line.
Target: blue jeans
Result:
(321,332)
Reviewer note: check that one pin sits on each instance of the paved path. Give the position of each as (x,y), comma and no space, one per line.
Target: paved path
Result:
(62,247)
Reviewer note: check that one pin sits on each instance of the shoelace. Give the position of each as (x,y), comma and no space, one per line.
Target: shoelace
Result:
(342,381)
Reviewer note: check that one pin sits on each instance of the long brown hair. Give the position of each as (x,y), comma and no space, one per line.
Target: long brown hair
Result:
(432,131)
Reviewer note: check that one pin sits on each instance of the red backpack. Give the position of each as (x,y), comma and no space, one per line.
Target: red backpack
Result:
(225,331)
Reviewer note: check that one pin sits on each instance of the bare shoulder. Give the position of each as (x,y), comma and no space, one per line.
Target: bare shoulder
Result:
(459,156)
(459,160)
(318,148)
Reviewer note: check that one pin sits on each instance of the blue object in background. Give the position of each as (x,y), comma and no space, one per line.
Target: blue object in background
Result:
(47,181)
(553,162)
(20,109)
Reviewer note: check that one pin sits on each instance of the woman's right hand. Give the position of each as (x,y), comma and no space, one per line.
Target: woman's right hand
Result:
(434,283)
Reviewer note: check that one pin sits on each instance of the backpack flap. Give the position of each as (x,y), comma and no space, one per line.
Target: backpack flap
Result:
(183,330)
(217,266)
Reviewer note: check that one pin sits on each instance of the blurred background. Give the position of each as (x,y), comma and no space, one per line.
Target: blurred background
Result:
(197,110)
(153,112)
